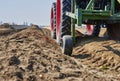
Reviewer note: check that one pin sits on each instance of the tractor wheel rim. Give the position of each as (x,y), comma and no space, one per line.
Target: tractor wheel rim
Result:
(52,20)
(89,29)
(58,19)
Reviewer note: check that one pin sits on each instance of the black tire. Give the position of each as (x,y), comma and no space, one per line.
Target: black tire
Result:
(93,31)
(67,45)
(96,31)
(53,33)
(113,31)
(65,22)
(82,3)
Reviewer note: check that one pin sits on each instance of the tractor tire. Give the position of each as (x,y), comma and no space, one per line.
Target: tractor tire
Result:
(96,31)
(93,31)
(63,22)
(113,31)
(67,45)
(53,21)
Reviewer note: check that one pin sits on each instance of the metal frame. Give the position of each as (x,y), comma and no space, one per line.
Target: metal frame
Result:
(89,12)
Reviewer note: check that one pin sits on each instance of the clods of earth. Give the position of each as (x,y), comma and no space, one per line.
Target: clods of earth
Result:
(32,55)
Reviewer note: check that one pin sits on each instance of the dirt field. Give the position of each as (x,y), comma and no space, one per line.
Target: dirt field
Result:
(31,55)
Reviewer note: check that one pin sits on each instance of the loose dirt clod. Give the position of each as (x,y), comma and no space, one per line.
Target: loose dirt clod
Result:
(14,61)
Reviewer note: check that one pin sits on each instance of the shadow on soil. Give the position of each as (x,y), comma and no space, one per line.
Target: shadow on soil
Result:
(113,50)
(84,56)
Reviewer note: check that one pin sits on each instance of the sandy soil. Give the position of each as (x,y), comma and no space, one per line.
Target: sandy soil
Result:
(31,55)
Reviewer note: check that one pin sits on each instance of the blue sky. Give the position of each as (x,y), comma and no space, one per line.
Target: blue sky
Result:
(31,11)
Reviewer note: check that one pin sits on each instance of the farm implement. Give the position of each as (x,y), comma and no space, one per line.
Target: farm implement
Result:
(66,14)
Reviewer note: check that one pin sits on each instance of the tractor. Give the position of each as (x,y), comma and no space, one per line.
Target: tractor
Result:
(66,14)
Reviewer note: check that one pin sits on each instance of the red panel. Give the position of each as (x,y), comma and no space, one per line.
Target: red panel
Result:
(58,17)
(89,29)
